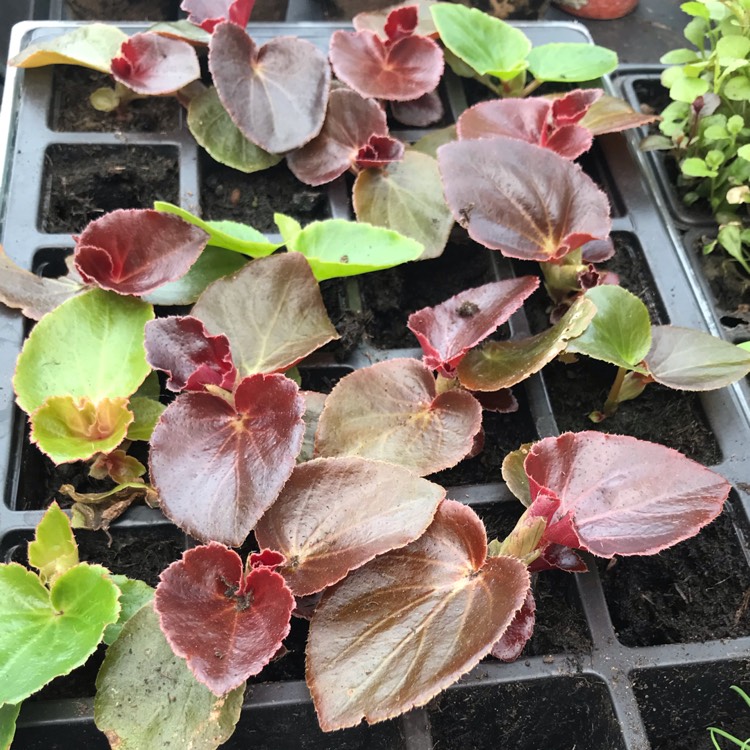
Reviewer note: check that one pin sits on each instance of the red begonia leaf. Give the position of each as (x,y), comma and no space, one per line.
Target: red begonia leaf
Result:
(379,151)
(154,65)
(573,106)
(208,14)
(521,628)
(375,20)
(401,71)
(569,141)
(619,495)
(559,557)
(391,411)
(217,467)
(400,629)
(421,112)
(336,514)
(502,401)
(272,312)
(191,357)
(401,22)
(134,251)
(448,330)
(597,251)
(524,200)
(351,121)
(266,558)
(228,624)
(275,94)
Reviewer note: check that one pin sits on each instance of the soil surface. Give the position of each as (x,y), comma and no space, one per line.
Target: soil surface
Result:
(81,183)
(72,112)
(254,198)
(696,591)
(349,320)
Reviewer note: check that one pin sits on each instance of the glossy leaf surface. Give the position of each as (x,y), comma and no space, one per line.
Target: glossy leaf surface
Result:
(155,65)
(53,550)
(691,360)
(276,94)
(366,655)
(391,411)
(89,347)
(448,330)
(406,196)
(402,70)
(502,364)
(620,495)
(209,13)
(218,468)
(228,624)
(140,662)
(521,199)
(336,514)
(45,633)
(271,311)
(181,347)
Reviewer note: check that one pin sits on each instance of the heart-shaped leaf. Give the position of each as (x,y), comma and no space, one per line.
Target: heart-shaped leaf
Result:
(217,467)
(620,495)
(488,184)
(271,311)
(53,550)
(402,70)
(47,633)
(228,624)
(276,94)
(155,65)
(502,364)
(391,411)
(350,122)
(181,347)
(134,251)
(336,514)
(406,196)
(691,360)
(448,330)
(89,347)
(213,129)
(141,685)
(366,655)
(209,13)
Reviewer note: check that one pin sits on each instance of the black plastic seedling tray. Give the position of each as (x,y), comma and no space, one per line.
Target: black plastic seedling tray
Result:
(609,691)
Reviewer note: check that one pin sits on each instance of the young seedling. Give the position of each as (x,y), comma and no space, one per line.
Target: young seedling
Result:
(715,732)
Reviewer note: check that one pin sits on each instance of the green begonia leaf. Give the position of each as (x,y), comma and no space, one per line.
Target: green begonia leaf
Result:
(406,196)
(54,549)
(487,44)
(212,128)
(146,412)
(91,346)
(48,633)
(8,715)
(567,62)
(134,594)
(147,698)
(515,476)
(336,248)
(149,388)
(91,46)
(230,235)
(620,332)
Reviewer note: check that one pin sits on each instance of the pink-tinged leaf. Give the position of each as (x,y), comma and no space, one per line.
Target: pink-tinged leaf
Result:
(266,558)
(155,65)
(501,402)
(276,94)
(379,151)
(402,628)
(391,411)
(597,251)
(401,22)
(569,141)
(559,557)
(375,20)
(620,495)
(521,199)
(208,14)
(517,635)
(134,251)
(191,357)
(227,624)
(448,330)
(336,514)
(419,113)
(573,106)
(218,468)
(350,123)
(401,71)
(611,115)
(271,311)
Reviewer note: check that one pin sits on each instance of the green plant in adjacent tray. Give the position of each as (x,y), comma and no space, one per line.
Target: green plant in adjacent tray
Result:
(715,732)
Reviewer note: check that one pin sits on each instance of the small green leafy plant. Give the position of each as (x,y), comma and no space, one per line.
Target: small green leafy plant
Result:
(707,124)
(715,732)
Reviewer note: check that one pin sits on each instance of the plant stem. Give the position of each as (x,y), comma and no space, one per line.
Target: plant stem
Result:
(531,87)
(612,402)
